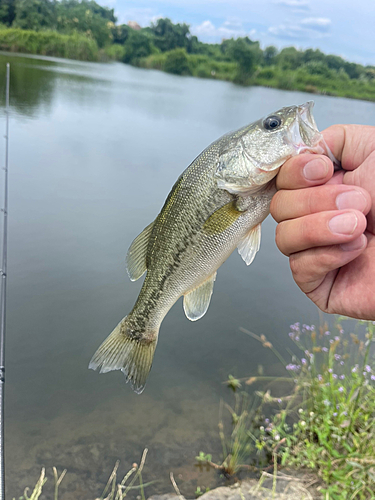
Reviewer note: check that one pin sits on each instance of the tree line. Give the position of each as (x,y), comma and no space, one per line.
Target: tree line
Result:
(173,48)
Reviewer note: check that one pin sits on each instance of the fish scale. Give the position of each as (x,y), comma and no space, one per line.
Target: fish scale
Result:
(216,205)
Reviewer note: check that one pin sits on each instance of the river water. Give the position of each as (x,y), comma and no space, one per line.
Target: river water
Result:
(94,151)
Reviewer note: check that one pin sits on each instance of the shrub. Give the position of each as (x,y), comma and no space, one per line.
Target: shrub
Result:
(49,43)
(177,62)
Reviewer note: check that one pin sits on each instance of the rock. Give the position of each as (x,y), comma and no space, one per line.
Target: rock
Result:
(166,496)
(287,488)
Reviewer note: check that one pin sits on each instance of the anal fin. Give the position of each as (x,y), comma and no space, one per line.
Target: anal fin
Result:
(197,301)
(136,256)
(249,245)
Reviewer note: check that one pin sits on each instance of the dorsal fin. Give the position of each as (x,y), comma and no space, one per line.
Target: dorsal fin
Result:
(136,256)
(249,245)
(197,301)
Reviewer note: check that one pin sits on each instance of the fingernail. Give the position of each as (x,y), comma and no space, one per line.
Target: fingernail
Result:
(357,244)
(343,224)
(315,169)
(351,199)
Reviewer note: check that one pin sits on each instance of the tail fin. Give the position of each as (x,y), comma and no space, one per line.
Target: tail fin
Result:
(132,355)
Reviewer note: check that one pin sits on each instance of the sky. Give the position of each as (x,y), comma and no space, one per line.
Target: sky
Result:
(341,27)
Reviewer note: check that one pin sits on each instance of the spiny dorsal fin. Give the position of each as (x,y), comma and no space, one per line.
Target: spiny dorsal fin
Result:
(220,220)
(197,301)
(136,256)
(249,245)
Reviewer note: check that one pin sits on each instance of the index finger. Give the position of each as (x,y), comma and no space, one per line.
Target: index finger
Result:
(350,144)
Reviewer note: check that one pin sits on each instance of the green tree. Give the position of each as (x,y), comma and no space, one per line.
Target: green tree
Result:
(169,36)
(86,17)
(245,55)
(289,58)
(137,45)
(177,62)
(353,70)
(318,68)
(7,11)
(334,62)
(35,14)
(312,55)
(269,55)
(120,33)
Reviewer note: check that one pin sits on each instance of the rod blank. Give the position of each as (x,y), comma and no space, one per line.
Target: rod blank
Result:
(3,276)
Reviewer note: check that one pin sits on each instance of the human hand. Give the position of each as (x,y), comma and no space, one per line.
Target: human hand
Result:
(327,222)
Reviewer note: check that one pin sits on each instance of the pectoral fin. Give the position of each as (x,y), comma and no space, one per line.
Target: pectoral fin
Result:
(220,220)
(136,256)
(250,244)
(197,301)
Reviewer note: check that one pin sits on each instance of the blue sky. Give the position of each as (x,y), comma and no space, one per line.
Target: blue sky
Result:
(341,27)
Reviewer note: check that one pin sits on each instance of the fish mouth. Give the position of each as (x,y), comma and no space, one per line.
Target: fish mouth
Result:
(304,135)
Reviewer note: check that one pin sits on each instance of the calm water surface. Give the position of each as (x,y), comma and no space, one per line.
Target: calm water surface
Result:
(94,151)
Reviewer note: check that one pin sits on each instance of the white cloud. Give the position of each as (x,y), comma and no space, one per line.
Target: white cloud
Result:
(295,4)
(317,23)
(231,28)
(308,28)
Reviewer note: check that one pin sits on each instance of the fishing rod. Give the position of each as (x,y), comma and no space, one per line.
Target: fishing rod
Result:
(3,276)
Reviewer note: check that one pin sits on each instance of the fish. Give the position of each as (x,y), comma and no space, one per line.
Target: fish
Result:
(216,205)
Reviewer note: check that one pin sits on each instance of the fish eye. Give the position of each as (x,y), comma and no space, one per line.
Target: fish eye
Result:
(272,122)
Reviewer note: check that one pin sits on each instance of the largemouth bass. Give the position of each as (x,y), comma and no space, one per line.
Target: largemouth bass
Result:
(217,204)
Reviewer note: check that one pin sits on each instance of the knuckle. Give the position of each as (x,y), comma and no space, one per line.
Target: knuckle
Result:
(275,206)
(294,265)
(279,238)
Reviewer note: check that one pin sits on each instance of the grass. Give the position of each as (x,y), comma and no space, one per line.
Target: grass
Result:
(319,415)
(326,424)
(114,490)
(49,43)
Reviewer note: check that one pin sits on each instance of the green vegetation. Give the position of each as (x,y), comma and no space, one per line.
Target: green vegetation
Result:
(319,416)
(49,43)
(82,29)
(114,489)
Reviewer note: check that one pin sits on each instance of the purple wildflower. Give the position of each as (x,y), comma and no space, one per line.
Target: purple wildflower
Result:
(325,349)
(291,367)
(341,363)
(368,368)
(303,361)
(320,378)
(337,357)
(342,377)
(327,333)
(341,389)
(334,376)
(372,377)
(337,338)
